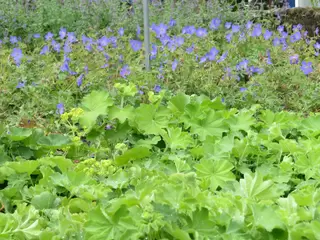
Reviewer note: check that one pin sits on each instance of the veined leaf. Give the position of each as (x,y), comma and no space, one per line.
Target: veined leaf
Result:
(132,154)
(176,139)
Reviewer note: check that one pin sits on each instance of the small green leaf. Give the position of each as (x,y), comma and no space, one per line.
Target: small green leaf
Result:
(132,154)
(44,200)
(121,113)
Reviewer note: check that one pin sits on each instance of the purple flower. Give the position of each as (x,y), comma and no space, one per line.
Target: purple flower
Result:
(253,69)
(306,67)
(229,37)
(121,31)
(86,69)
(280,28)
(189,30)
(267,35)
(103,41)
(121,58)
(294,59)
(201,32)
(67,48)
(211,55)
(157,89)
(243,89)
(65,65)
(13,39)
(174,65)
(48,36)
(108,127)
(316,31)
(203,59)
(56,46)
(125,71)
(297,27)
(235,28)
(153,52)
(243,65)
(317,45)
(44,50)
(37,35)
(249,25)
(88,47)
(165,40)
(223,57)
(79,80)
(190,49)
(60,108)
(215,23)
(276,42)
(85,39)
(179,41)
(295,37)
(21,85)
(242,36)
(71,37)
(17,55)
(257,30)
(62,33)
(227,25)
(172,22)
(136,45)
(160,29)
(269,61)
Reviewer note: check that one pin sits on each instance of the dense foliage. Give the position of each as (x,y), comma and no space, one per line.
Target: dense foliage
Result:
(220,140)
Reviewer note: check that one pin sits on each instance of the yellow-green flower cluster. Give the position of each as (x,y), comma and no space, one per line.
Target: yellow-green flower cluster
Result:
(92,167)
(74,114)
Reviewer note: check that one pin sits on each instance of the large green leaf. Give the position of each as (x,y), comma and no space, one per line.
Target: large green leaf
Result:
(176,139)
(44,200)
(24,166)
(54,141)
(132,154)
(18,134)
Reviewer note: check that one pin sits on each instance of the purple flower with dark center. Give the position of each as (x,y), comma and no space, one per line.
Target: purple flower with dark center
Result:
(125,71)
(172,22)
(276,42)
(317,45)
(138,30)
(294,59)
(243,89)
(160,29)
(37,35)
(201,32)
(121,31)
(79,80)
(71,37)
(228,25)
(174,65)
(267,35)
(223,57)
(249,25)
(211,55)
(17,55)
(257,30)
(190,49)
(13,39)
(280,28)
(306,67)
(136,45)
(215,24)
(62,33)
(48,36)
(60,108)
(108,127)
(21,85)
(235,28)
(157,89)
(189,30)
(44,50)
(229,37)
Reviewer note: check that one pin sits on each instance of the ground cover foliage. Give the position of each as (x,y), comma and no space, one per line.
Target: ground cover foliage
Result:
(220,140)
